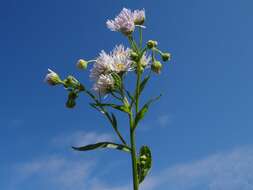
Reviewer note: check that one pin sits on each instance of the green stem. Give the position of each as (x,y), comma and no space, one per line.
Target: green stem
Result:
(133,154)
(132,130)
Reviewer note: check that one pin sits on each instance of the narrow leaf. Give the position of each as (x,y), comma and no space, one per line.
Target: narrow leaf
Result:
(103,145)
(122,108)
(114,121)
(144,82)
(143,110)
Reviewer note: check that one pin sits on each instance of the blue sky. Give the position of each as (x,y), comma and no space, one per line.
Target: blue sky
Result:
(200,131)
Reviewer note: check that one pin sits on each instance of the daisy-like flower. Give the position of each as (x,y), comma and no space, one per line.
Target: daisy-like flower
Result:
(139,17)
(104,84)
(117,61)
(52,78)
(123,23)
(103,65)
(121,59)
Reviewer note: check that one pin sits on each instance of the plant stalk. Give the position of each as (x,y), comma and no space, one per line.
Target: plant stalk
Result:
(133,155)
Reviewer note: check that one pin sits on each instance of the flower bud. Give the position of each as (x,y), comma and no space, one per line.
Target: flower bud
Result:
(166,56)
(71,81)
(143,162)
(70,103)
(134,56)
(72,95)
(141,69)
(156,67)
(139,17)
(143,157)
(52,78)
(151,44)
(82,64)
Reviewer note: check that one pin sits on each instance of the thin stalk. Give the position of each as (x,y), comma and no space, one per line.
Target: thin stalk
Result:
(132,131)
(133,154)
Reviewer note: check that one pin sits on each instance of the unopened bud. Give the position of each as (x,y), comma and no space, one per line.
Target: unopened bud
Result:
(143,162)
(139,17)
(71,81)
(70,103)
(156,67)
(72,95)
(166,56)
(151,44)
(82,64)
(141,69)
(143,157)
(134,56)
(52,78)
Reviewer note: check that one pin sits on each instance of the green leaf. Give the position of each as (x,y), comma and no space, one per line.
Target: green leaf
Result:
(144,82)
(144,163)
(122,108)
(114,121)
(144,109)
(103,145)
(141,114)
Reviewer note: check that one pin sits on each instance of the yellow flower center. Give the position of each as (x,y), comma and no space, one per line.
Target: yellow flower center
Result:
(120,66)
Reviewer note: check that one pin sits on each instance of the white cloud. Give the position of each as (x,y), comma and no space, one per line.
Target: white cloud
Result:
(164,120)
(81,138)
(222,171)
(231,170)
(228,170)
(54,172)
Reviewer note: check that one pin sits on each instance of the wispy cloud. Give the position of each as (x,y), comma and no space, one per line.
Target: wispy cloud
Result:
(228,170)
(54,172)
(62,171)
(165,120)
(81,138)
(162,120)
(231,170)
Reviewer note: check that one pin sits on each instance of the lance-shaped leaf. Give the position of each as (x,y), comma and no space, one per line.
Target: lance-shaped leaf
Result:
(144,82)
(143,110)
(123,108)
(144,163)
(103,145)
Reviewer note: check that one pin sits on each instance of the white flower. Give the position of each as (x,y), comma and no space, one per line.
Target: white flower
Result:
(139,16)
(104,84)
(52,78)
(103,65)
(117,61)
(124,22)
(145,61)
(121,59)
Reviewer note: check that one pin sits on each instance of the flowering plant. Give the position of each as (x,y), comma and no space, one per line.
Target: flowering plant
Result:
(108,73)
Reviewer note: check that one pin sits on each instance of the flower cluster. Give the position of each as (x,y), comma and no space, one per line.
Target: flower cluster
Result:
(126,21)
(118,61)
(108,74)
